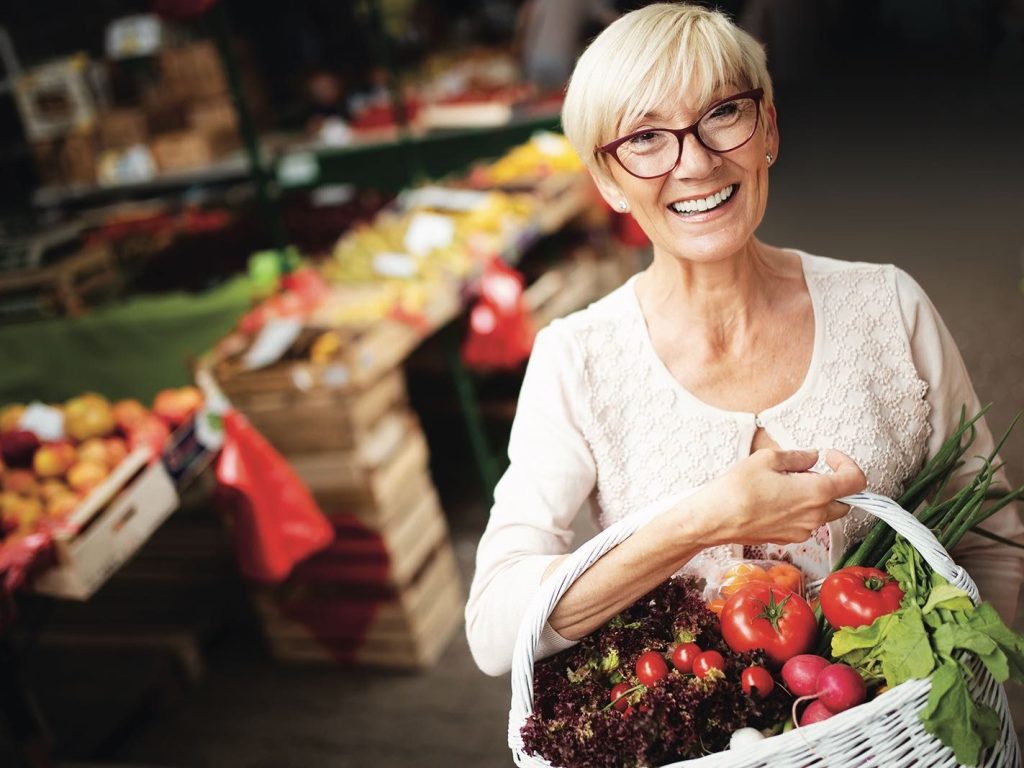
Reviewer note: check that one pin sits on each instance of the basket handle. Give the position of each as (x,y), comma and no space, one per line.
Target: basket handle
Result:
(555,586)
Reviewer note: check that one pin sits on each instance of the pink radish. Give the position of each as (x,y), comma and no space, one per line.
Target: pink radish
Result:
(800,673)
(815,713)
(837,688)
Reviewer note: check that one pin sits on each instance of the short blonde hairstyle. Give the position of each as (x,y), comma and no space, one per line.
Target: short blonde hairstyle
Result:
(645,56)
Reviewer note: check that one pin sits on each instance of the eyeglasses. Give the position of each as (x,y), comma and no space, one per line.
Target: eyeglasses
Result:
(726,125)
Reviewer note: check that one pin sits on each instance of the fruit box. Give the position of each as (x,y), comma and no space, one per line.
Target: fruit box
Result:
(108,527)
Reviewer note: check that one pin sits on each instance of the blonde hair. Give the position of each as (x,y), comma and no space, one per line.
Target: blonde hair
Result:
(646,55)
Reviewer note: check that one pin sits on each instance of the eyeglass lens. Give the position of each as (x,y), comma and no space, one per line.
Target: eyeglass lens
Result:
(654,152)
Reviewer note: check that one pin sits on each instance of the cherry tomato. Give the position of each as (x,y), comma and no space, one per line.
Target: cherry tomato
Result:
(617,691)
(757,680)
(855,596)
(707,661)
(683,656)
(765,616)
(651,667)
(787,576)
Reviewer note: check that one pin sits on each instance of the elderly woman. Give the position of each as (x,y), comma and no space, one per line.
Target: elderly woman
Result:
(691,389)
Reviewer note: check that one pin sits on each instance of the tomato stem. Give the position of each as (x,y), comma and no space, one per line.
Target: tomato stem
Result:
(773,611)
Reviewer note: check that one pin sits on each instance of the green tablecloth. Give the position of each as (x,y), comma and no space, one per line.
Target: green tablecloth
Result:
(130,349)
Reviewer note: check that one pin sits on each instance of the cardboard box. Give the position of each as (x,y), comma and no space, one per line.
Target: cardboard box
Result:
(78,158)
(193,71)
(181,150)
(109,526)
(121,128)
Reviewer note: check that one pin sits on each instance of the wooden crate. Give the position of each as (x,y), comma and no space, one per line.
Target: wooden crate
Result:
(69,285)
(405,629)
(321,419)
(367,481)
(108,527)
(391,554)
(563,290)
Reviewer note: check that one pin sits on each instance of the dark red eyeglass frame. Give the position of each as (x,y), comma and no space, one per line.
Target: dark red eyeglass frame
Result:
(612,147)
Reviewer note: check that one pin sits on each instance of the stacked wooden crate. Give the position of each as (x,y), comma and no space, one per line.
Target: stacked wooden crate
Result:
(387,591)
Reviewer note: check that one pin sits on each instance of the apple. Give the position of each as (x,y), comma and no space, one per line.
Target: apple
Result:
(10,417)
(93,449)
(117,450)
(88,415)
(176,406)
(62,505)
(151,433)
(129,412)
(53,459)
(21,482)
(18,447)
(83,476)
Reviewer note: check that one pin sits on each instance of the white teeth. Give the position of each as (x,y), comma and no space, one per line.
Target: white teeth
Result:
(704,204)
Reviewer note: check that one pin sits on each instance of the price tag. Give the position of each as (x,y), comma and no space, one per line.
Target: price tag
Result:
(46,421)
(428,231)
(272,342)
(139,35)
(442,199)
(297,170)
(389,264)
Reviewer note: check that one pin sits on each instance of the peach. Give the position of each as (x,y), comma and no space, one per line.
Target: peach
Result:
(86,475)
(10,417)
(117,450)
(88,415)
(20,512)
(176,406)
(53,459)
(128,413)
(21,482)
(62,505)
(52,487)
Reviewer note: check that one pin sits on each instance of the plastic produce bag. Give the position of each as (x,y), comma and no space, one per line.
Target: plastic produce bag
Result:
(500,332)
(277,523)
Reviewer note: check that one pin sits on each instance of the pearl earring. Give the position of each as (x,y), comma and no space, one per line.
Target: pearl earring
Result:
(769,157)
(622,206)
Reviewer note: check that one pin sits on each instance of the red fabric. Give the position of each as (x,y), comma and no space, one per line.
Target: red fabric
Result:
(277,523)
(182,9)
(500,332)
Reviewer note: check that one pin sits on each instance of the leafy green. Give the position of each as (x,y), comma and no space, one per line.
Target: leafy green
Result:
(610,662)
(956,720)
(936,623)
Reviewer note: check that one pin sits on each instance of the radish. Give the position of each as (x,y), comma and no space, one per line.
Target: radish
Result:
(745,737)
(837,688)
(840,687)
(815,713)
(800,673)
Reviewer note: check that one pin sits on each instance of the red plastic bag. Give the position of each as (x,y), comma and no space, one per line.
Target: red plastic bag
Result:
(500,332)
(277,523)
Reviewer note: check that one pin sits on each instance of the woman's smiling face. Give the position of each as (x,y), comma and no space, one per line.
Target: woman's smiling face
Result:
(731,187)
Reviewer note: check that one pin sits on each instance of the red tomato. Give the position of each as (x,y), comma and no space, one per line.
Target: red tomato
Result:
(855,596)
(617,691)
(757,680)
(683,656)
(707,661)
(767,616)
(651,667)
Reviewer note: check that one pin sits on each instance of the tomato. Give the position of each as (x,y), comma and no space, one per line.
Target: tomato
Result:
(769,617)
(619,701)
(651,667)
(740,575)
(683,656)
(757,680)
(855,596)
(707,661)
(788,576)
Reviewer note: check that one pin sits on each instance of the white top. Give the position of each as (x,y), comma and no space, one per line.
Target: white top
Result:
(601,421)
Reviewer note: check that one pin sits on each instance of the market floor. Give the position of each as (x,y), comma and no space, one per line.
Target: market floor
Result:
(863,174)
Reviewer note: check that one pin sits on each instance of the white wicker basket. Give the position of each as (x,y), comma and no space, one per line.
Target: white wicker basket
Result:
(883,733)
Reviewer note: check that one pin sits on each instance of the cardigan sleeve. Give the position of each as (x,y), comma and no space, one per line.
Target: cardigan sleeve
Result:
(550,475)
(996,568)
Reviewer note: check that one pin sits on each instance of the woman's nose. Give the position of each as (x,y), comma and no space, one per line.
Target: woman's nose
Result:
(696,160)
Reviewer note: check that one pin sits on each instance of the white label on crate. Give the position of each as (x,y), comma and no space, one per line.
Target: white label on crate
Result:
(46,421)
(302,378)
(428,231)
(442,199)
(130,36)
(298,169)
(401,265)
(549,143)
(335,376)
(273,340)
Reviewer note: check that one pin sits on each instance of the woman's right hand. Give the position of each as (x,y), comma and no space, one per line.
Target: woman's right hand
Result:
(772,497)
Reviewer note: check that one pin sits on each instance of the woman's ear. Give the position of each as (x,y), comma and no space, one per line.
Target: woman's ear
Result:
(771,130)
(610,192)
